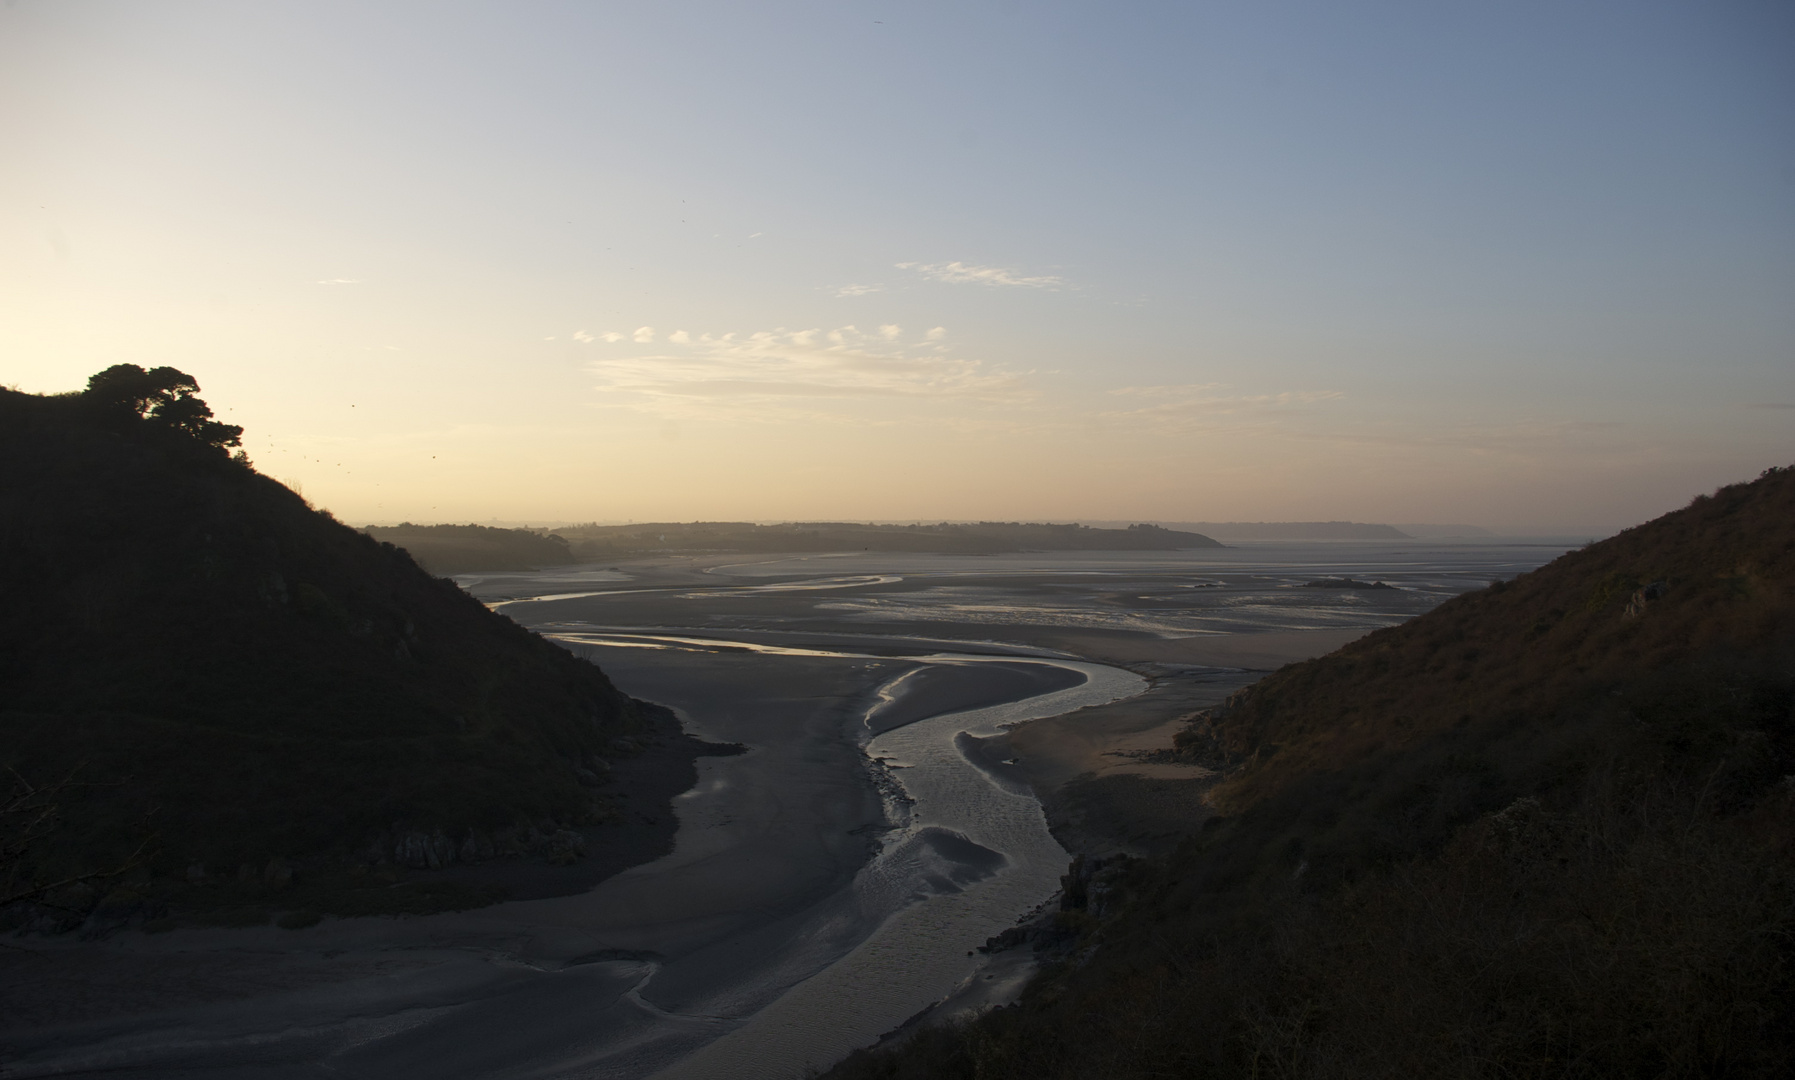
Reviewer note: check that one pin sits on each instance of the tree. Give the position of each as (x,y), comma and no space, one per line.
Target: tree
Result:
(163,396)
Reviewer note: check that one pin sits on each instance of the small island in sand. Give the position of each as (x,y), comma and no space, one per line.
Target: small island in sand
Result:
(1344,583)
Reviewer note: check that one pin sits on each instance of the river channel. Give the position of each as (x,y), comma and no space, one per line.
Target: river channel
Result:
(968,851)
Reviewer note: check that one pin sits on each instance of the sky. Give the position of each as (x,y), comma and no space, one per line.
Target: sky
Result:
(1523,265)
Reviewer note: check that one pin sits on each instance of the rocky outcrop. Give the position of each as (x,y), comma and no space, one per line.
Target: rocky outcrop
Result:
(1644,598)
(1088,890)
(421,850)
(1203,742)
(1089,883)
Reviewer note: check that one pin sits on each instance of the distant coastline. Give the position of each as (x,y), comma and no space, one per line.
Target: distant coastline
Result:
(455,549)
(474,548)
(1230,531)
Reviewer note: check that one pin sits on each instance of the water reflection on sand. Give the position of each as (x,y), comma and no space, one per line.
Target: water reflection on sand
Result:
(1243,589)
(825,885)
(971,851)
(971,854)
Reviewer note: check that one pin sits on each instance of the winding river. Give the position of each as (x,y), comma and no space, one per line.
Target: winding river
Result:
(917,955)
(741,954)
(970,853)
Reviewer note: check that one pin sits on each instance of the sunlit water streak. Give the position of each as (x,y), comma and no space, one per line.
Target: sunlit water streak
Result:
(966,857)
(820,585)
(841,985)
(933,910)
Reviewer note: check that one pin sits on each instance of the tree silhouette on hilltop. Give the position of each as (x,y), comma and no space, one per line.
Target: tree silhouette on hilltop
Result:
(162,396)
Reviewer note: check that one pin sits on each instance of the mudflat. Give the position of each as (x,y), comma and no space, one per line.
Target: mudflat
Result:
(788,657)
(1261,652)
(654,961)
(1088,767)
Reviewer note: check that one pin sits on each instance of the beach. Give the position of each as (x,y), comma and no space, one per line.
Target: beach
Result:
(661,958)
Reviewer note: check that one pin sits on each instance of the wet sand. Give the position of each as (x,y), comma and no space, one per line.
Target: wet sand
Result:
(937,689)
(1109,739)
(1086,767)
(1259,652)
(669,955)
(767,840)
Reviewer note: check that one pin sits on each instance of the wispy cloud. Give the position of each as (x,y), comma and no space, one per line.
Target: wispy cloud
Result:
(958,273)
(778,374)
(339,281)
(583,338)
(858,290)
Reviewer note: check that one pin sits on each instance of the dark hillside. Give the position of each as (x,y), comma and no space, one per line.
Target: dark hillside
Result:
(254,687)
(1545,830)
(458,549)
(1715,580)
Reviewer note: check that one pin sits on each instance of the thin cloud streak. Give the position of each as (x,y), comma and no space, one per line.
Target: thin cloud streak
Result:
(958,273)
(754,376)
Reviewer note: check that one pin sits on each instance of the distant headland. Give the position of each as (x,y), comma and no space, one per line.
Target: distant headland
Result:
(453,549)
(1228,531)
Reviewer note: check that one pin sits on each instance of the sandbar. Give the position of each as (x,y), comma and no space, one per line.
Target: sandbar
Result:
(1087,767)
(653,962)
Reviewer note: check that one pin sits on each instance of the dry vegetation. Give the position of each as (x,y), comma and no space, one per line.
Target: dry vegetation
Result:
(1547,830)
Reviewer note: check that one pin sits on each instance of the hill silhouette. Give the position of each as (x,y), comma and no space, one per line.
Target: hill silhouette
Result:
(1547,829)
(197,666)
(458,549)
(1296,530)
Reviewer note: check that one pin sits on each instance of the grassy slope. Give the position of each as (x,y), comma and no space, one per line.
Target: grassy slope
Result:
(249,680)
(1532,648)
(1527,834)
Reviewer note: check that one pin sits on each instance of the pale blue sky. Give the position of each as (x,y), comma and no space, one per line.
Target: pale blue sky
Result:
(1525,265)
